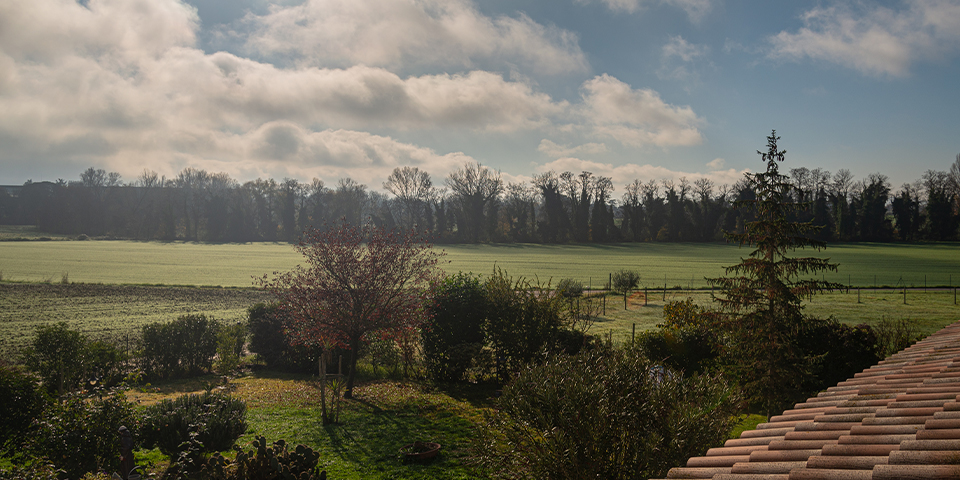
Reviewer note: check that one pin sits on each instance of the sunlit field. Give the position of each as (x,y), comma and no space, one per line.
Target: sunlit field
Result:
(110,311)
(677,265)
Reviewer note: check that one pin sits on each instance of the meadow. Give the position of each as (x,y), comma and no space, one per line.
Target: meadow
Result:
(675,264)
(110,312)
(112,286)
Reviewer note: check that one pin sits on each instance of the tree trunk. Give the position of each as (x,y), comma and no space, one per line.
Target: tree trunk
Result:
(323,388)
(352,365)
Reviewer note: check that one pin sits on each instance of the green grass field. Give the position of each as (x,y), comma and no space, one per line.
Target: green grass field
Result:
(236,265)
(110,312)
(114,311)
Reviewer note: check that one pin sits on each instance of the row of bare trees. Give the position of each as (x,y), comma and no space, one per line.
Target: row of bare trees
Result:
(475,205)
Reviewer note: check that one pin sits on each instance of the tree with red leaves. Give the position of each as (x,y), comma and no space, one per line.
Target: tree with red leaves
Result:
(357,281)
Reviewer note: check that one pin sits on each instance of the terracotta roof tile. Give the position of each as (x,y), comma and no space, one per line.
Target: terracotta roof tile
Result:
(899,419)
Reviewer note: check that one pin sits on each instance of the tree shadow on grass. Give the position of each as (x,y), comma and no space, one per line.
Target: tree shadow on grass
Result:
(370,435)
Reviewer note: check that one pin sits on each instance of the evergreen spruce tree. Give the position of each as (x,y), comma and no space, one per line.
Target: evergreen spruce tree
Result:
(761,296)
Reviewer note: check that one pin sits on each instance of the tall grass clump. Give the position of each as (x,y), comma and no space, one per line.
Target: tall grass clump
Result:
(215,419)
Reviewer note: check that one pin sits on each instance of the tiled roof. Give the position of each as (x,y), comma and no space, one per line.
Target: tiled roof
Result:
(899,419)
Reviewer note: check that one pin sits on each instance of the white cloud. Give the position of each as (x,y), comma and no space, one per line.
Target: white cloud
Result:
(716,163)
(47,30)
(398,34)
(122,85)
(874,40)
(284,149)
(100,88)
(627,173)
(679,60)
(684,50)
(696,9)
(242,92)
(636,117)
(556,150)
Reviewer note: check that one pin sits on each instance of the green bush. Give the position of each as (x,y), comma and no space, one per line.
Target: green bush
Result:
(230,342)
(624,281)
(262,462)
(893,336)
(569,287)
(838,351)
(22,400)
(690,338)
(605,413)
(270,343)
(104,362)
(56,355)
(185,346)
(453,340)
(523,321)
(35,471)
(80,436)
(690,351)
(218,419)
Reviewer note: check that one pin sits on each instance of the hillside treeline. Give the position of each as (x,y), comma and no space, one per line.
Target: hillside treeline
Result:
(476,205)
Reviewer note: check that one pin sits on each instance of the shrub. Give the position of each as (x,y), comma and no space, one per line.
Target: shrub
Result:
(604,414)
(21,402)
(522,321)
(569,287)
(35,471)
(454,339)
(185,346)
(54,355)
(278,461)
(80,436)
(218,419)
(624,281)
(838,351)
(270,343)
(689,339)
(895,336)
(104,362)
(260,463)
(230,341)
(690,351)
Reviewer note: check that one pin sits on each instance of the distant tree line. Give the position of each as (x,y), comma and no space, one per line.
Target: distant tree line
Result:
(475,205)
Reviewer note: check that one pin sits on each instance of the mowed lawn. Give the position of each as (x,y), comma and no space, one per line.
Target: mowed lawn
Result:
(677,265)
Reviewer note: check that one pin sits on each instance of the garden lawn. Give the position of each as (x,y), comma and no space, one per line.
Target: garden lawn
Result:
(383,417)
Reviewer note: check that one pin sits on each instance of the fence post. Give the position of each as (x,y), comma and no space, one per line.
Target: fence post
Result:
(633,333)
(858,295)
(646,295)
(904,294)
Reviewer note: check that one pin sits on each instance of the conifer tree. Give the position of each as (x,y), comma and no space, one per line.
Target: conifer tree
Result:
(761,296)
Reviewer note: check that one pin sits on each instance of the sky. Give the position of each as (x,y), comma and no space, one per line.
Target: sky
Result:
(329,89)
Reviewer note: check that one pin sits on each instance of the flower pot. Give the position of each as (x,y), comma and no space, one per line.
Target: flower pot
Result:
(420,451)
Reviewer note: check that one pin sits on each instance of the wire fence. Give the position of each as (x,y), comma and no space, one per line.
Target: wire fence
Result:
(847,282)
